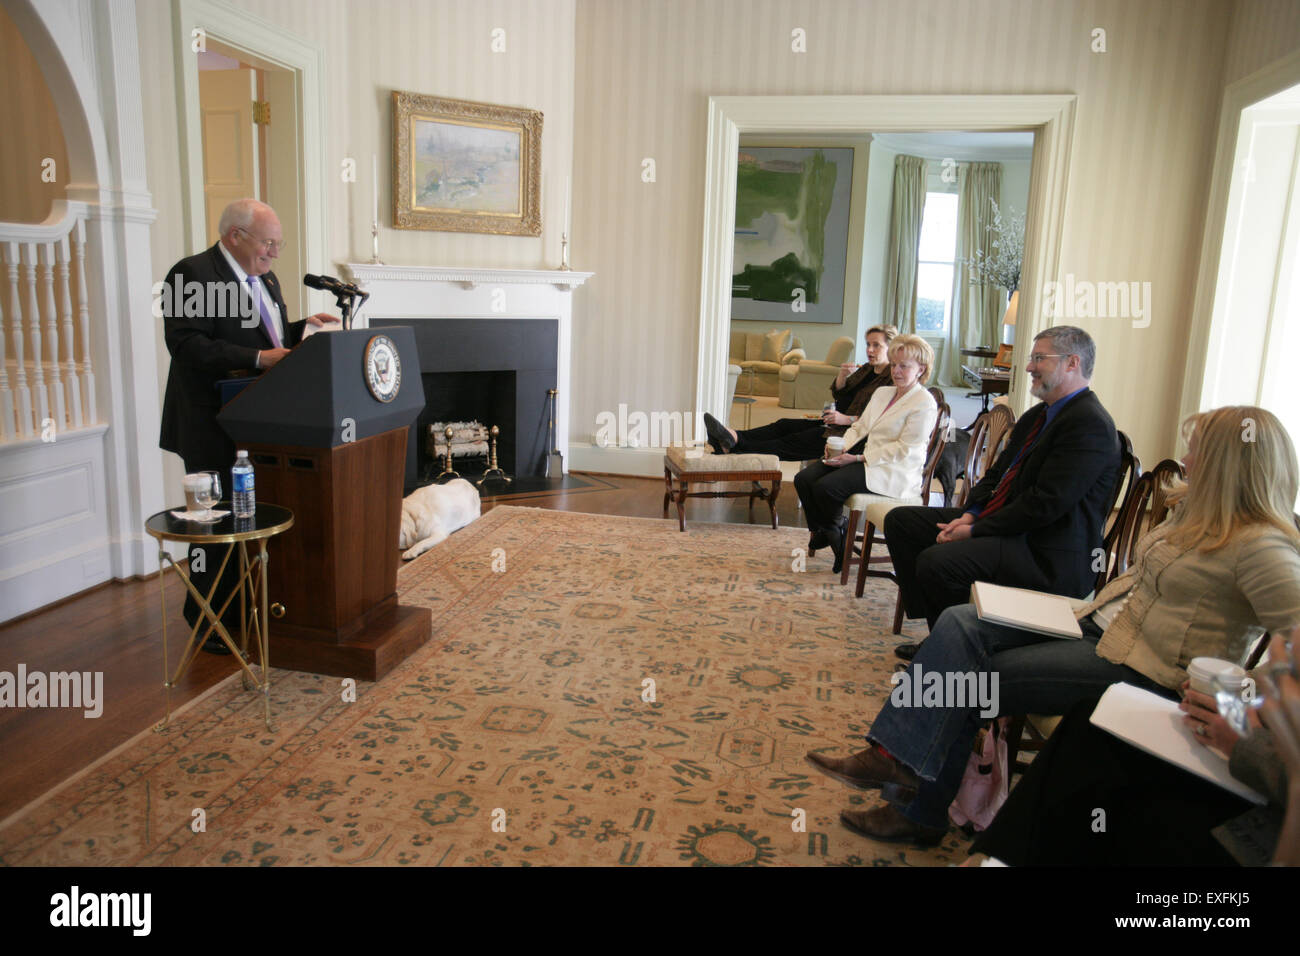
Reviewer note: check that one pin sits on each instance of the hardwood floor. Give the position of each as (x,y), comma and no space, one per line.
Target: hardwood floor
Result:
(116,629)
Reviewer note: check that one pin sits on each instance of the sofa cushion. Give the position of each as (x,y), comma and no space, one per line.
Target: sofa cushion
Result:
(753,346)
(775,344)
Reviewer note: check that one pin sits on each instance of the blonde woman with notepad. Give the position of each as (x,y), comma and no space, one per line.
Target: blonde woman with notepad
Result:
(1224,567)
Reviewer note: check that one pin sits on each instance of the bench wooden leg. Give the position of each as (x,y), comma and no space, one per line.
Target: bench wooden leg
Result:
(771,501)
(668,489)
(681,505)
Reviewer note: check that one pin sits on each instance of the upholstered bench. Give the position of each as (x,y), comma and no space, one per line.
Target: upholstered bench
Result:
(718,469)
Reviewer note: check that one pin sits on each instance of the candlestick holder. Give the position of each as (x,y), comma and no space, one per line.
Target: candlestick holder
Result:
(564,252)
(374,244)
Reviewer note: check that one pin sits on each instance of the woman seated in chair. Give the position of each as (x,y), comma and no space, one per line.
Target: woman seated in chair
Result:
(1157,814)
(884,450)
(801,439)
(1224,564)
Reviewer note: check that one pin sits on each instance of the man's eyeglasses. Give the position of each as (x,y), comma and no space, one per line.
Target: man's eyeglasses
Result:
(270,245)
(1037,357)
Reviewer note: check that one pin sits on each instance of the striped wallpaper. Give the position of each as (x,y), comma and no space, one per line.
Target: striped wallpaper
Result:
(621,81)
(1147,116)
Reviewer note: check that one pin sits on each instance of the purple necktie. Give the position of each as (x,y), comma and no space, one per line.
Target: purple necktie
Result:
(267,322)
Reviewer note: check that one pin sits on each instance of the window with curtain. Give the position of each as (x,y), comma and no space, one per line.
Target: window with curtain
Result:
(935,263)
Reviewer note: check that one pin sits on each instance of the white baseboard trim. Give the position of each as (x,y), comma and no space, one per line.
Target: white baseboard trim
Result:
(610,460)
(53,578)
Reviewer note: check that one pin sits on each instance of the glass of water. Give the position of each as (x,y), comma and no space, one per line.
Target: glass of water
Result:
(209,493)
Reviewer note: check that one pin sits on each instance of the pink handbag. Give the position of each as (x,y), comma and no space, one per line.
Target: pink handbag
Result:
(985,786)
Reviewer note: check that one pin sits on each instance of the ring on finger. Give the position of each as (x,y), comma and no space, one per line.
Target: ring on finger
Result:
(1202,730)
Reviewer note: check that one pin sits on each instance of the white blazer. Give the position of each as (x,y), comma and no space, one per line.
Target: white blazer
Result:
(896,439)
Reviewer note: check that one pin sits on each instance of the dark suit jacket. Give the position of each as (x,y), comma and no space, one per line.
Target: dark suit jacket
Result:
(206,348)
(1058,496)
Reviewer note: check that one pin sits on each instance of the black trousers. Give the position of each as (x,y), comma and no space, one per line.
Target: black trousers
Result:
(933,577)
(205,560)
(790,439)
(824,489)
(1155,814)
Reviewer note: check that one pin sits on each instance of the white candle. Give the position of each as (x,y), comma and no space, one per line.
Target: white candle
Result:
(374,185)
(568,206)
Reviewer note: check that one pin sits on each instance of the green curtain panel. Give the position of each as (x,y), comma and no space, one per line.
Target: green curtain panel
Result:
(899,307)
(976,309)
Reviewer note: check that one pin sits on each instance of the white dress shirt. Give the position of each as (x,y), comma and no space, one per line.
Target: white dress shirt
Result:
(272,309)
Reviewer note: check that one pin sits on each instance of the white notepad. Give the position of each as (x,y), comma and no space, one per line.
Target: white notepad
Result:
(1155,724)
(1037,611)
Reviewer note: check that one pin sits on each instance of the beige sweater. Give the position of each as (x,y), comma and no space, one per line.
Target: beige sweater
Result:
(1184,604)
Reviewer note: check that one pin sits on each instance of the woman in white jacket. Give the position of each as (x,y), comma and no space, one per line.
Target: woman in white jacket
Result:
(884,449)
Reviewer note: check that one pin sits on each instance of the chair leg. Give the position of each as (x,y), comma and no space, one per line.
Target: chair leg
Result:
(898,613)
(850,535)
(868,539)
(1015,730)
(681,506)
(771,500)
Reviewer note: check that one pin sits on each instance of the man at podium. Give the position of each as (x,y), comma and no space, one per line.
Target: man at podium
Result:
(223,317)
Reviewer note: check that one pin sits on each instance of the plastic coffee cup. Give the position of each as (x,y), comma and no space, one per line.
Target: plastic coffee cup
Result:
(1203,671)
(834,447)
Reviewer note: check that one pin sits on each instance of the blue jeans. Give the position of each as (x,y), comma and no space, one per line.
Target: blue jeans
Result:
(1036,675)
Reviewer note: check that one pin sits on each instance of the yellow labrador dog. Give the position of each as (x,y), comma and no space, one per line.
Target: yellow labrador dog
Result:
(431,513)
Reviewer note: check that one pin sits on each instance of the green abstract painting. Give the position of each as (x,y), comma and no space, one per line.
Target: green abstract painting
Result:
(792,228)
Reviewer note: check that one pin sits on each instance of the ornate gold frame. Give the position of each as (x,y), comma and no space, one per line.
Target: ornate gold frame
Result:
(408,107)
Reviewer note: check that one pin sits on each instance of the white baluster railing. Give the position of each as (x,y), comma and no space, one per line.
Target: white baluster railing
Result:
(46,370)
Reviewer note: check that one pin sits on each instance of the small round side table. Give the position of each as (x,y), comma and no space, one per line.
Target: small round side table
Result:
(267,521)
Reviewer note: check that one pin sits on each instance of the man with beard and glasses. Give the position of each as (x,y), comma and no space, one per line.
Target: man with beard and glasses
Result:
(1036,518)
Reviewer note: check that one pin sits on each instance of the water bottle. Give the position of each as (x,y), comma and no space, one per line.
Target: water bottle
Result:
(242,496)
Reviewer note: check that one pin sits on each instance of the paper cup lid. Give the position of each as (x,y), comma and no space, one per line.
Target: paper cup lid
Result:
(1207,668)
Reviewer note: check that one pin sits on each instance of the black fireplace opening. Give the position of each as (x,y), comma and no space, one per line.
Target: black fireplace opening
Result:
(486,397)
(497,371)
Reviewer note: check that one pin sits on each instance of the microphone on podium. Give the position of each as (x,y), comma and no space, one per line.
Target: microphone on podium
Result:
(330,284)
(344,293)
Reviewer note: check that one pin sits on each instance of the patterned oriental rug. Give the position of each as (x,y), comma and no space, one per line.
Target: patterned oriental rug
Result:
(524,732)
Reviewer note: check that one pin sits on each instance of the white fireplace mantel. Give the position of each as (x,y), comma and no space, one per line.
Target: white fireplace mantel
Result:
(563,279)
(432,292)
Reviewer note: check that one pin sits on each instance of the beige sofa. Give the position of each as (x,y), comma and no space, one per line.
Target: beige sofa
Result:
(763,354)
(808,384)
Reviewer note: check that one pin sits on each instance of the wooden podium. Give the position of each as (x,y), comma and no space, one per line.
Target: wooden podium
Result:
(325,447)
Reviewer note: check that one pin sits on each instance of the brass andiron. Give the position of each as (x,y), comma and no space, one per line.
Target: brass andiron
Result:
(493,470)
(447,470)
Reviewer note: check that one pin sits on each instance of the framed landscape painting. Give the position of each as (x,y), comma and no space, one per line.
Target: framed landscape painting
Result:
(792,233)
(461,166)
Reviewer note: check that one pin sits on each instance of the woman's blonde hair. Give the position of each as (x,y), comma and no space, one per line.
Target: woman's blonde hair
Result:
(888,331)
(918,350)
(1244,473)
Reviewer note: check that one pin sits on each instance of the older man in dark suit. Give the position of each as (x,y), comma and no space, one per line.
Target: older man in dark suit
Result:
(223,316)
(1036,519)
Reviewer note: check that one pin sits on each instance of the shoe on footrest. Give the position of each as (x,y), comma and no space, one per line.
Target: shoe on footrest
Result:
(719,438)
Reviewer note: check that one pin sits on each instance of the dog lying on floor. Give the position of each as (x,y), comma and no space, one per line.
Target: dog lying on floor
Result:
(430,514)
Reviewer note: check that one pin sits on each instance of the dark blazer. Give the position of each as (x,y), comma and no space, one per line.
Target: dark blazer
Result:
(206,348)
(1058,496)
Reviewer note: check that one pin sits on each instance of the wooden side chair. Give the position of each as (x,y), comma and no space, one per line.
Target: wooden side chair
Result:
(1145,506)
(1129,472)
(858,548)
(977,461)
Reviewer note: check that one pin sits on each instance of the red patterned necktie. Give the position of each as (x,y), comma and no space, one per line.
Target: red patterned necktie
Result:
(1004,486)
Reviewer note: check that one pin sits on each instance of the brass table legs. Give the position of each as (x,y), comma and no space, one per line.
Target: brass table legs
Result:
(253,616)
